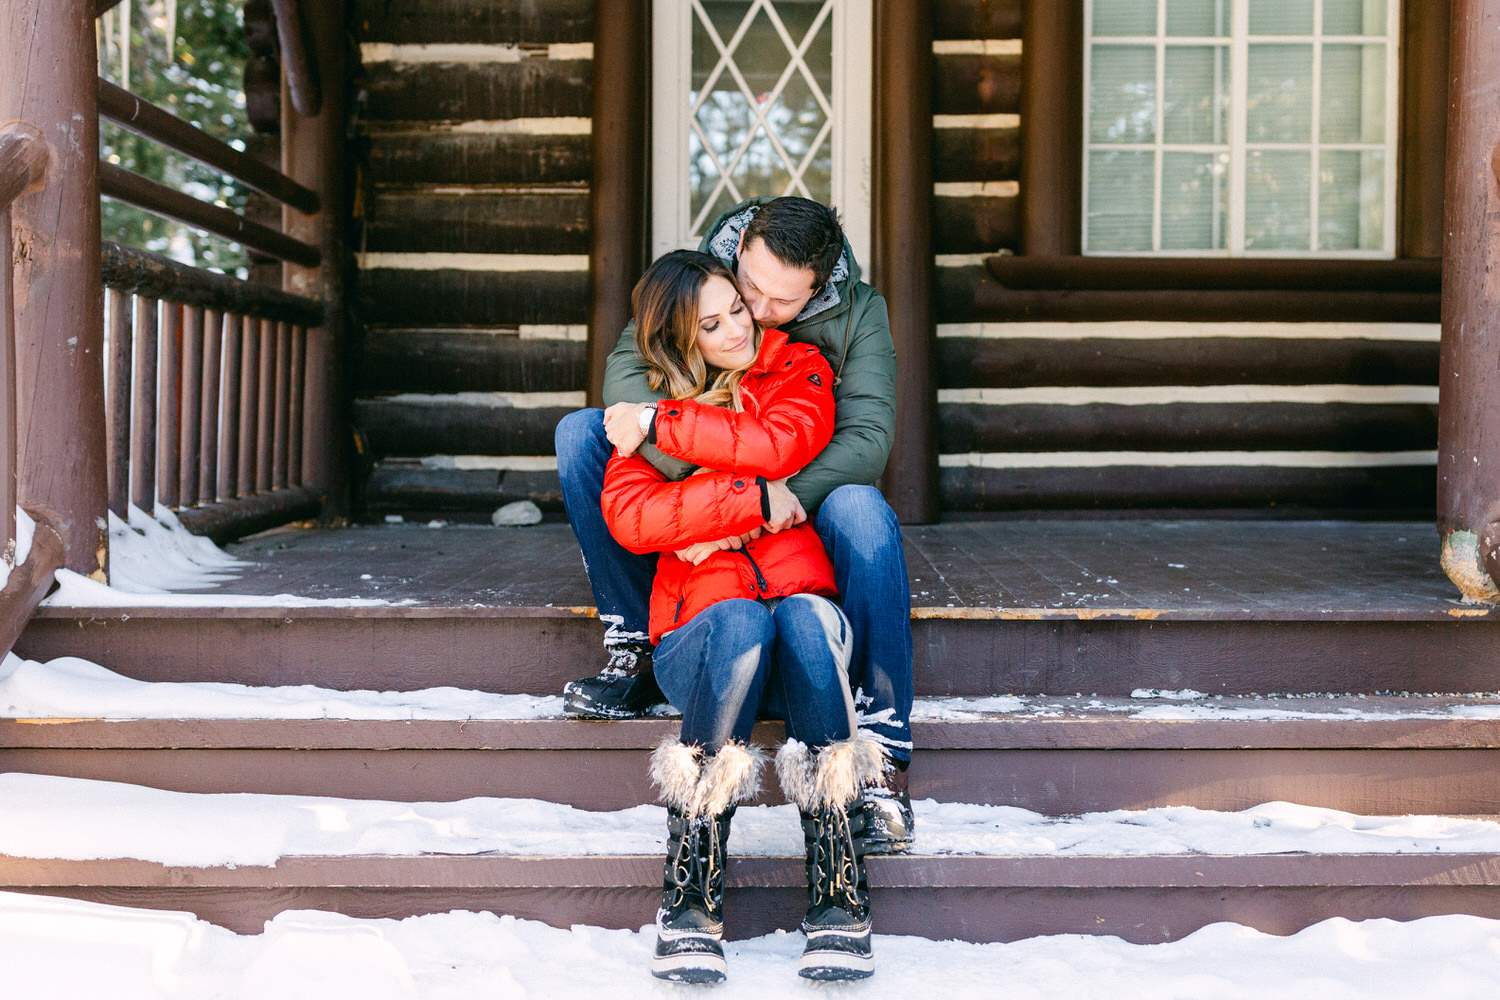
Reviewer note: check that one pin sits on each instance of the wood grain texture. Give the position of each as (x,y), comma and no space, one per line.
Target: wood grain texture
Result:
(975,224)
(528,88)
(500,22)
(415,298)
(965,19)
(460,360)
(976,154)
(967,84)
(395,427)
(438,157)
(417,220)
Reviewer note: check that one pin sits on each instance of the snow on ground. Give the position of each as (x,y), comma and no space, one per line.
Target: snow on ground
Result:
(68,950)
(81,819)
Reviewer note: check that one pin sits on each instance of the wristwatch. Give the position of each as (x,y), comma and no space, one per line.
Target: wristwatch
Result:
(644,418)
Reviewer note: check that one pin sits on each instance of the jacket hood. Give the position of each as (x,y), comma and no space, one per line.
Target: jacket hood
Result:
(723,242)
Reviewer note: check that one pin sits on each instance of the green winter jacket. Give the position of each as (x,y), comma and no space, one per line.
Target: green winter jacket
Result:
(847,322)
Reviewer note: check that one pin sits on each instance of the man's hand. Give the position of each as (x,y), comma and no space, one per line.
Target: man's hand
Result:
(786,509)
(622,425)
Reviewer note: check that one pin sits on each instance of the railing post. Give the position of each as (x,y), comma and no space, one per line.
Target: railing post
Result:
(312,152)
(50,78)
(1468,472)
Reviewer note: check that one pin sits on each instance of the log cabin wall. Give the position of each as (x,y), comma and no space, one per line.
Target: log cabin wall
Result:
(472,126)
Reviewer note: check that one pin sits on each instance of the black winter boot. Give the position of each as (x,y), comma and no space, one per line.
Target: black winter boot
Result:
(888,820)
(624,689)
(701,794)
(827,787)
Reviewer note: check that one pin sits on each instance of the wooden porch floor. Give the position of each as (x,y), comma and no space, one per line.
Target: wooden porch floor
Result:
(1212,569)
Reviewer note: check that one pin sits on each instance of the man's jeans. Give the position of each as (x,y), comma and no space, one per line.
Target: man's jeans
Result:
(863,539)
(737,658)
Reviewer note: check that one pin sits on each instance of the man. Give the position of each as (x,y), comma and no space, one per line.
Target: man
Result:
(798,274)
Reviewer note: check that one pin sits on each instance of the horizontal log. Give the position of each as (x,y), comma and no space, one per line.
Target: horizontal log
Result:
(403,487)
(23,160)
(392,426)
(127,269)
(976,154)
(225,521)
(131,188)
(969,427)
(1188,273)
(994,363)
(159,125)
(975,224)
(1391,491)
(528,88)
(971,294)
(482,221)
(442,157)
(498,22)
(395,360)
(964,19)
(967,84)
(412,298)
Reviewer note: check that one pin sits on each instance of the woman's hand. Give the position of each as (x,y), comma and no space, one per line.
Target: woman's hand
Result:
(622,425)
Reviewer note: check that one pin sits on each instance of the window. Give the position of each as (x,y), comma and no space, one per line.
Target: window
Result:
(755,97)
(1240,127)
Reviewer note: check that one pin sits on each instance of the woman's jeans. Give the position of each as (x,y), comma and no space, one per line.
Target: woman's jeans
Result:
(863,539)
(737,658)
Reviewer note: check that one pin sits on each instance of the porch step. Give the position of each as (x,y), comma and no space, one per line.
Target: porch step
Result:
(1053,756)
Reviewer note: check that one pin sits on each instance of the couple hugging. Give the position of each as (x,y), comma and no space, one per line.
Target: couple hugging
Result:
(744,564)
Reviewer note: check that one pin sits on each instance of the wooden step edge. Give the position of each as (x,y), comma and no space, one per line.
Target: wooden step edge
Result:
(911,871)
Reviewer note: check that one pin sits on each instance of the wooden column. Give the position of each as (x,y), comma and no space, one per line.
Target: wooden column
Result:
(1051,127)
(312,153)
(617,189)
(1424,118)
(903,244)
(1468,473)
(49,77)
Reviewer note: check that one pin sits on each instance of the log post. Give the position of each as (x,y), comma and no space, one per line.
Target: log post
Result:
(1051,143)
(617,187)
(1468,473)
(312,153)
(903,245)
(50,78)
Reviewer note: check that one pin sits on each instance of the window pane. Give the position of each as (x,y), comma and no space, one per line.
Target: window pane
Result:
(1124,17)
(1201,18)
(1194,201)
(1281,17)
(1196,103)
(1278,184)
(1353,98)
(1122,94)
(1353,17)
(1120,200)
(1279,96)
(1351,200)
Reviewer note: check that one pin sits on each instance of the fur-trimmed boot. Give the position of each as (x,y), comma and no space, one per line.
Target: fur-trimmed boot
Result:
(701,792)
(828,786)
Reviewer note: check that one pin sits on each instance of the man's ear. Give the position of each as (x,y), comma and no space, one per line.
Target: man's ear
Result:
(739,244)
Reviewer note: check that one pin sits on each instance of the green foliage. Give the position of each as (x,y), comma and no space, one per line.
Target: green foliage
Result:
(200,79)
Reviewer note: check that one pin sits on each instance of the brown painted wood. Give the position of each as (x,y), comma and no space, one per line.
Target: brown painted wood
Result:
(394,427)
(49,51)
(976,154)
(904,104)
(1468,498)
(1136,273)
(1424,121)
(617,185)
(994,362)
(143,410)
(295,414)
(8,450)
(299,57)
(189,443)
(208,410)
(127,269)
(250,337)
(404,488)
(520,220)
(970,84)
(451,297)
(1051,139)
(23,160)
(975,224)
(265,406)
(964,19)
(516,22)
(459,360)
(280,407)
(436,156)
(228,423)
(533,87)
(120,355)
(969,294)
(31,581)
(146,119)
(169,403)
(228,520)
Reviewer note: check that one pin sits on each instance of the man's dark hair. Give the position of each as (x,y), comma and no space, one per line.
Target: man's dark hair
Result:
(800,233)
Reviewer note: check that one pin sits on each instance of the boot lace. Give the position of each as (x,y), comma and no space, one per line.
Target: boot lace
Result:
(835,864)
(698,865)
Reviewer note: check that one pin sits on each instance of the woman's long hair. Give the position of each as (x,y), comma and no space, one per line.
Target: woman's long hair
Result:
(665,303)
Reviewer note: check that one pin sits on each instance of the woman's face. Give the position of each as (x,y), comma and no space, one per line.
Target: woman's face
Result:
(726,333)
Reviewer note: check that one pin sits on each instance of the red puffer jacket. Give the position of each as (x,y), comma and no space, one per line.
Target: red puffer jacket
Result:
(787,419)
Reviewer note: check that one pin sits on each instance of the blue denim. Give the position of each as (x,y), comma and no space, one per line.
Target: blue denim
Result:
(738,658)
(863,539)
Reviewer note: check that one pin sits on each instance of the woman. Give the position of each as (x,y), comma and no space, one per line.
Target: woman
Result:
(740,612)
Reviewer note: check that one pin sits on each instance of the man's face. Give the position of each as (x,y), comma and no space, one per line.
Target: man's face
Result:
(774,292)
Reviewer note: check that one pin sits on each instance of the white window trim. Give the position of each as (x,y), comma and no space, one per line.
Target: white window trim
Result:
(672,80)
(1238,47)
